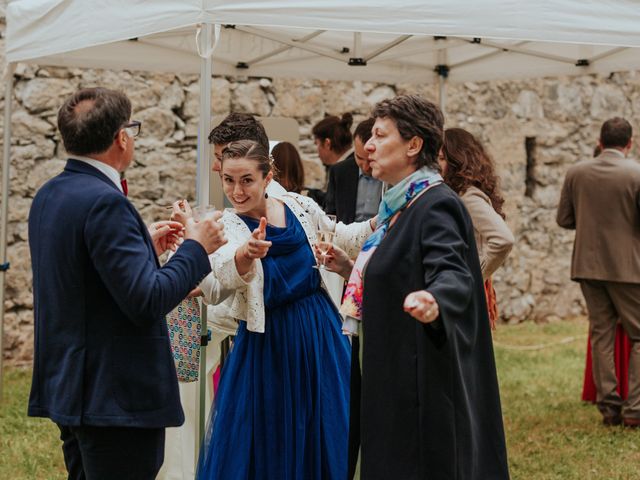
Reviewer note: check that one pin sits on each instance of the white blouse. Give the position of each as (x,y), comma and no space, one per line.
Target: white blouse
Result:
(235,297)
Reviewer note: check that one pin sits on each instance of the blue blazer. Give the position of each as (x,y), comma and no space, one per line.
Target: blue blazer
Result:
(102,354)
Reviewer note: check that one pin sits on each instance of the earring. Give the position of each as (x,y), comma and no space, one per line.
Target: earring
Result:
(266,195)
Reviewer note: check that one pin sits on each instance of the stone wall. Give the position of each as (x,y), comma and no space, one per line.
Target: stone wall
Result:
(560,117)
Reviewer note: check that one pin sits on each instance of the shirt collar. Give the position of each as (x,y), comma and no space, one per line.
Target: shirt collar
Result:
(615,151)
(111,173)
(345,155)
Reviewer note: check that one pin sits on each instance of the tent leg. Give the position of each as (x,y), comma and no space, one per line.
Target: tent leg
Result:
(202,193)
(6,163)
(442,94)
(442,69)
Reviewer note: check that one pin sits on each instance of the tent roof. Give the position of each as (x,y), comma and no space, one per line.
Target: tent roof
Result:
(315,38)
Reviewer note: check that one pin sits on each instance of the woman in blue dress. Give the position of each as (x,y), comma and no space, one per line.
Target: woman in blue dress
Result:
(282,407)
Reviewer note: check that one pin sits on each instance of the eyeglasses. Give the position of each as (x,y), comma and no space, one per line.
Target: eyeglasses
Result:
(132,128)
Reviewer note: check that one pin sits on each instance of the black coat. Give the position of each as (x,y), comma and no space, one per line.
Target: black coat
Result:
(430,399)
(342,190)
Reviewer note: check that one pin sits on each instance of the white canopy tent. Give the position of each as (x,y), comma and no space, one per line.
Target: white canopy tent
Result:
(373,40)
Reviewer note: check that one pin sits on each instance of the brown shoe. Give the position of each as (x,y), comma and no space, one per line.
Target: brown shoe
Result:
(631,422)
(613,420)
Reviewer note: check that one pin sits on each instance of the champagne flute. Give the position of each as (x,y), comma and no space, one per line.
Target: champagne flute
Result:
(325,234)
(325,241)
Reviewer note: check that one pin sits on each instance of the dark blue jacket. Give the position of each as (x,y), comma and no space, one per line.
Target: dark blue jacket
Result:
(102,354)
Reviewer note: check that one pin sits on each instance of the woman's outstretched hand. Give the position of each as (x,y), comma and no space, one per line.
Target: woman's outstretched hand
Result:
(422,306)
(257,246)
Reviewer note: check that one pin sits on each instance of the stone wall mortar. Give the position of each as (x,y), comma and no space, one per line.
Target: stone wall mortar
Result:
(562,114)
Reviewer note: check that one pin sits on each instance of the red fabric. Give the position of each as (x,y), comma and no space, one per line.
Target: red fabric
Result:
(125,189)
(216,380)
(622,352)
(492,303)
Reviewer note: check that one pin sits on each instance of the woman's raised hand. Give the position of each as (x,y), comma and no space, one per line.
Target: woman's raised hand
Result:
(257,246)
(181,212)
(422,306)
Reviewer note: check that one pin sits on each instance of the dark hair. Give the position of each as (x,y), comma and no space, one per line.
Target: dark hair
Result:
(90,119)
(363,130)
(597,150)
(469,164)
(239,126)
(250,150)
(615,132)
(289,166)
(415,117)
(338,130)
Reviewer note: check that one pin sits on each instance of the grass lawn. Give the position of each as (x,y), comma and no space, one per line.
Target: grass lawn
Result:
(550,433)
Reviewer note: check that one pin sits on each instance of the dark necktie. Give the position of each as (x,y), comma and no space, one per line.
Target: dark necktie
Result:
(125,189)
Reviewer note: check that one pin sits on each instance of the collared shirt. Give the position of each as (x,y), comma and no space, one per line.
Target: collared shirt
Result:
(614,151)
(368,197)
(111,173)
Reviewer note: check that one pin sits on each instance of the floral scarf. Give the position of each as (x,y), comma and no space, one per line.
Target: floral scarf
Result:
(393,201)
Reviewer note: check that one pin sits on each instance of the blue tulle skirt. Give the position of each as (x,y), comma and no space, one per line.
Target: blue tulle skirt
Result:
(282,407)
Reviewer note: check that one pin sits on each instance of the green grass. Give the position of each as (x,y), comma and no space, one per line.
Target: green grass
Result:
(551,434)
(29,447)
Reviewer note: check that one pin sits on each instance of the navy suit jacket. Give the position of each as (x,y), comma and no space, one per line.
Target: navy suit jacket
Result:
(102,354)
(342,190)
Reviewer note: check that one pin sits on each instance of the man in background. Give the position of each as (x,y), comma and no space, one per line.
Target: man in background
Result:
(600,199)
(235,127)
(353,195)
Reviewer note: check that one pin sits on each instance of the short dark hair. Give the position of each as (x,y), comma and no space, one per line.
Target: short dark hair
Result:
(363,130)
(90,119)
(250,150)
(290,172)
(239,126)
(336,129)
(615,132)
(415,117)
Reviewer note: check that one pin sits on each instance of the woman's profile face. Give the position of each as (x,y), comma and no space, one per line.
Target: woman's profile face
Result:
(442,161)
(388,152)
(243,184)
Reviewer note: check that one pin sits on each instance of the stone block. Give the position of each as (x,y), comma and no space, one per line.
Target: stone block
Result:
(250,97)
(609,101)
(42,94)
(528,105)
(158,123)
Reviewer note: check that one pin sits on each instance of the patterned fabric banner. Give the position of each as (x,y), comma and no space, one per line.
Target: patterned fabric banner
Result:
(184,334)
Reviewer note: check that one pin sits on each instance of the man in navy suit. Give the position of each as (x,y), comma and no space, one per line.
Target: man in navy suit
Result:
(103,369)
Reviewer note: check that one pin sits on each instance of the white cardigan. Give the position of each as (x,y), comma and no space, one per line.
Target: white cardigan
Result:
(238,297)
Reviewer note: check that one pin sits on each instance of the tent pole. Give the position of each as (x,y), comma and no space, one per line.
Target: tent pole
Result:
(442,69)
(442,93)
(202,193)
(6,163)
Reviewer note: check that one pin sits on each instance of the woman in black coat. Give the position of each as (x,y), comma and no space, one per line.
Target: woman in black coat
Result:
(430,400)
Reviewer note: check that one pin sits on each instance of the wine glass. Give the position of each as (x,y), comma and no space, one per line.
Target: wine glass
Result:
(325,241)
(325,236)
(203,212)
